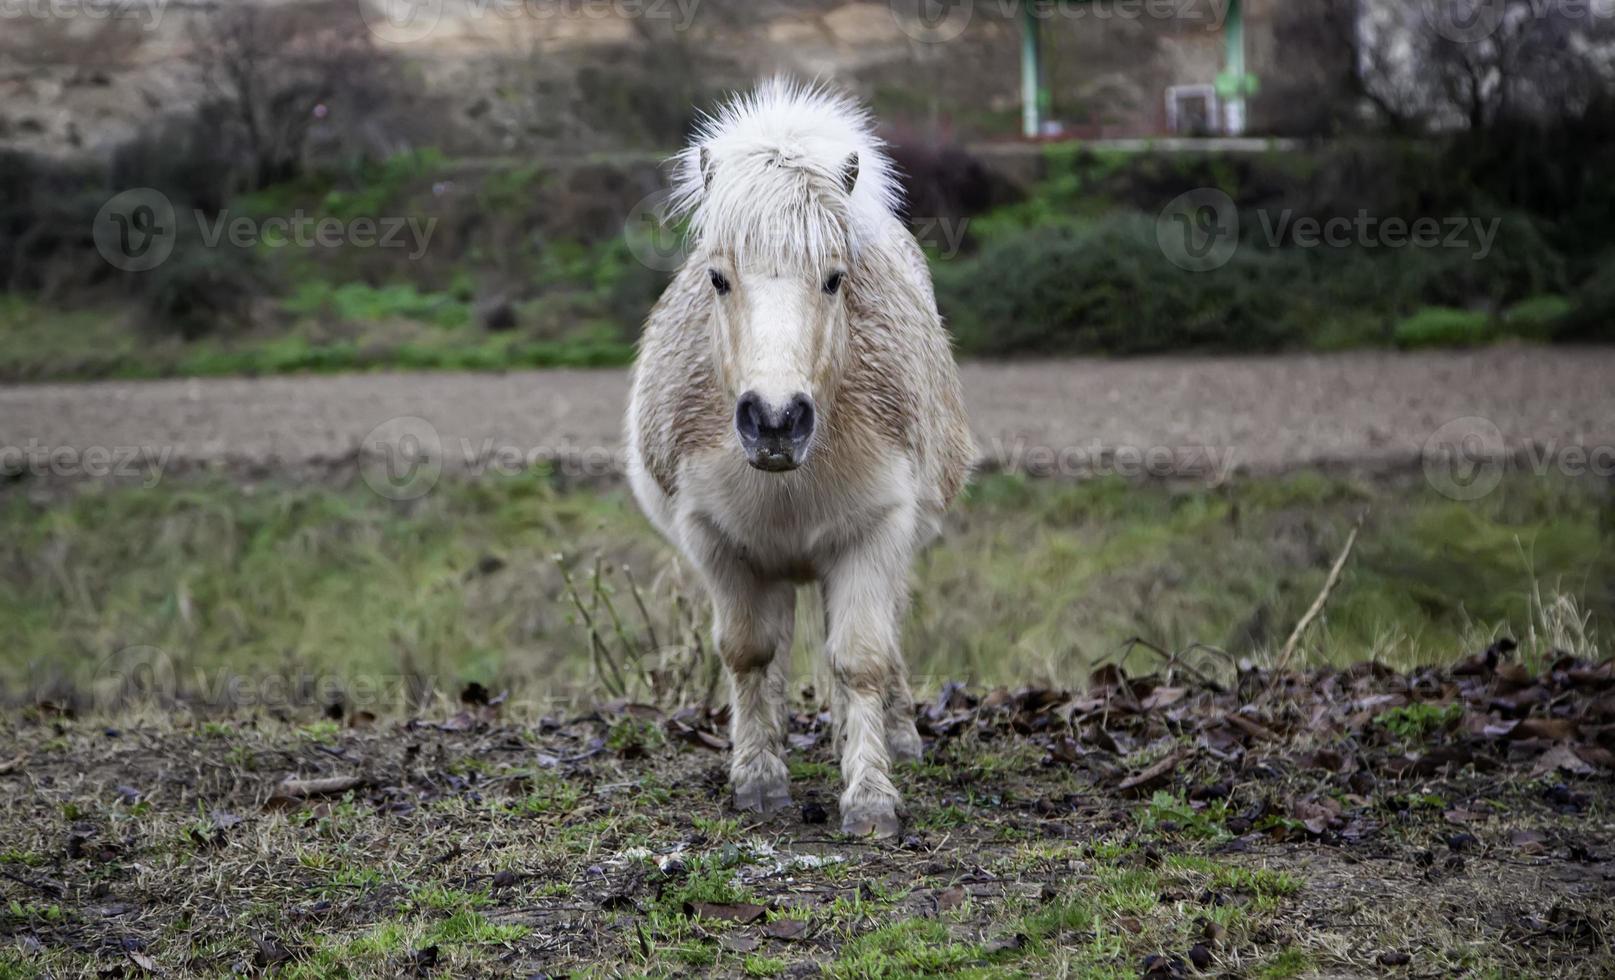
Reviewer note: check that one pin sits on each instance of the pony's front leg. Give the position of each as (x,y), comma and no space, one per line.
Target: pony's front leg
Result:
(752,624)
(865,592)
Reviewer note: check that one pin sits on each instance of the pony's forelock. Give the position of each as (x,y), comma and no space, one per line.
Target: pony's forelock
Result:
(777,159)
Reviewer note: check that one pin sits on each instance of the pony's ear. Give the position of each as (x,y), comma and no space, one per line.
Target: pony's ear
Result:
(849,172)
(705,160)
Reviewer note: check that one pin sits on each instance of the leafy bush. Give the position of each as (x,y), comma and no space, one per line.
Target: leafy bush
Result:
(1537,316)
(1440,326)
(1592,313)
(200,289)
(1107,287)
(357,302)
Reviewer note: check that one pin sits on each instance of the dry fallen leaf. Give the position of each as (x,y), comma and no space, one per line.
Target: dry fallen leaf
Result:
(741,912)
(1163,697)
(950,898)
(1152,777)
(293,791)
(143,961)
(1553,729)
(788,929)
(740,942)
(1561,758)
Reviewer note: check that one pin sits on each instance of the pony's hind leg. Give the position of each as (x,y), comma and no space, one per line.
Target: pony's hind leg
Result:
(902,738)
(753,635)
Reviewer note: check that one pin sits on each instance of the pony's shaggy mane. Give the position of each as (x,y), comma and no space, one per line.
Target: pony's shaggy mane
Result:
(771,188)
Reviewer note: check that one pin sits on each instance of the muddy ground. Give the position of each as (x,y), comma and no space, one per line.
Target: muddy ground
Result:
(1200,821)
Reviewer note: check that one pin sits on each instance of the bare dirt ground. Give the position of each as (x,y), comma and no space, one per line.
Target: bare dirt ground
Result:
(1336,823)
(1256,414)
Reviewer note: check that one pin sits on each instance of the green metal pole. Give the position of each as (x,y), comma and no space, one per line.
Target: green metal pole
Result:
(1031,74)
(1234,35)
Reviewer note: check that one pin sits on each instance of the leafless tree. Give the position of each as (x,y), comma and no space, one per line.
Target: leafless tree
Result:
(1428,65)
(278,69)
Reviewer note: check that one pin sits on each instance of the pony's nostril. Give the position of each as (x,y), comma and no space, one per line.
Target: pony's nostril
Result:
(749,418)
(800,416)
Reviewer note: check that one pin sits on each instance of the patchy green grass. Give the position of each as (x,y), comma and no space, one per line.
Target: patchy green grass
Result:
(307,593)
(356,329)
(131,844)
(1419,720)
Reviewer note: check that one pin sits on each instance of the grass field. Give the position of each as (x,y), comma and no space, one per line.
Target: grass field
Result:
(198,588)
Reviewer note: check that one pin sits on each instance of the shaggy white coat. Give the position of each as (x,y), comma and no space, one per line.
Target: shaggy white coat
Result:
(786,188)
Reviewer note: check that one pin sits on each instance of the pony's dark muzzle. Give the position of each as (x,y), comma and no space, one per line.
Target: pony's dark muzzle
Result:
(775,438)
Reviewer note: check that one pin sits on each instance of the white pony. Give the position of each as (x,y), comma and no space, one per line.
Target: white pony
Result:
(796,417)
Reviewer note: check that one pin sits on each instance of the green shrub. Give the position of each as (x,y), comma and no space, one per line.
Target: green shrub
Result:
(1107,287)
(1536,317)
(200,290)
(357,302)
(1439,326)
(1592,309)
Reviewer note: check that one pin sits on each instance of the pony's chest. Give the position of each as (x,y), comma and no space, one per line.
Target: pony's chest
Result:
(792,524)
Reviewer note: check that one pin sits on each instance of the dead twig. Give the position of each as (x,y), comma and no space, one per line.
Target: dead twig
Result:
(1322,600)
(1172,661)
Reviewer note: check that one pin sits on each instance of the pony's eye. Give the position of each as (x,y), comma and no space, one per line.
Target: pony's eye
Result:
(718,282)
(833,283)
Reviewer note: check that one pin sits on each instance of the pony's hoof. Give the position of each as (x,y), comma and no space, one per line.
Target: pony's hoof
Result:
(878,822)
(762,796)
